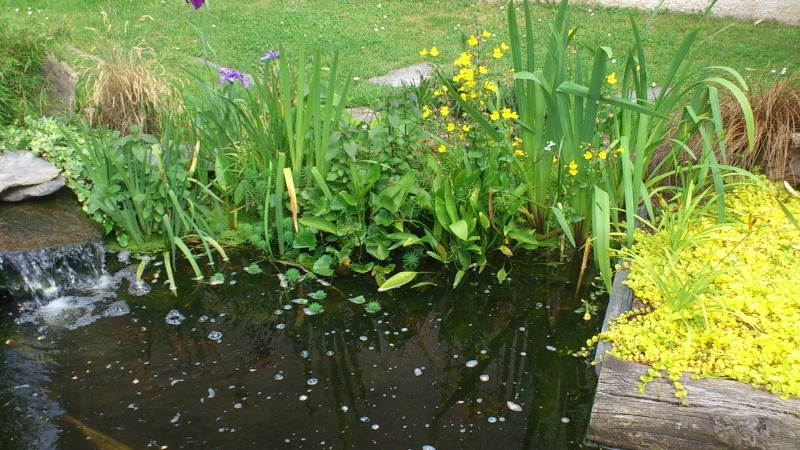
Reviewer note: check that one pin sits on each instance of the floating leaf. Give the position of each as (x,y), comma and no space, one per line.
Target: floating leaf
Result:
(397,280)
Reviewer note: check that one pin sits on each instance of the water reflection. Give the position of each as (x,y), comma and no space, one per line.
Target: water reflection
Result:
(440,368)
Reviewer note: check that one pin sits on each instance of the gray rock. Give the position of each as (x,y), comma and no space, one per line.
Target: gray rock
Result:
(19,193)
(405,76)
(22,168)
(362,113)
(61,81)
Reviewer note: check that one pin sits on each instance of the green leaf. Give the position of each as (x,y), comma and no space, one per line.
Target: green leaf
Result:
(362,268)
(322,266)
(459,276)
(502,274)
(305,239)
(320,224)
(397,280)
(460,229)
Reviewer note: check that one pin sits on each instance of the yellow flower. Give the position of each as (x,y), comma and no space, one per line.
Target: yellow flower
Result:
(497,53)
(587,155)
(434,51)
(612,79)
(426,112)
(442,148)
(601,154)
(486,34)
(472,41)
(437,93)
(423,52)
(620,150)
(516,142)
(489,86)
(573,168)
(512,70)
(465,127)
(519,153)
(503,46)
(509,114)
(495,115)
(463,60)
(464,96)
(555,159)
(451,126)
(587,316)
(444,110)
(462,136)
(483,70)
(444,88)
(473,94)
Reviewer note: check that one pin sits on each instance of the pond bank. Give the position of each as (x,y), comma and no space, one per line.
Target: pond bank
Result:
(721,414)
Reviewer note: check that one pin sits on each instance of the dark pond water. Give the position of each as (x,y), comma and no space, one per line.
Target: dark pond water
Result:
(241,366)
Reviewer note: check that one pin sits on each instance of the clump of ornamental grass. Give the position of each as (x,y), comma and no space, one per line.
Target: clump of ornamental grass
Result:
(22,52)
(127,84)
(776,110)
(748,311)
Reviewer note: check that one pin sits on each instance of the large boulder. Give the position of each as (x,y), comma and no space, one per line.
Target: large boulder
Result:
(23,169)
(60,84)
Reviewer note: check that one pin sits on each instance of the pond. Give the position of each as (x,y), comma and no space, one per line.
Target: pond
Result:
(239,365)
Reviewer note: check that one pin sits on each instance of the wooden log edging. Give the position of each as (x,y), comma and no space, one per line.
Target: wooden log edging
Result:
(722,414)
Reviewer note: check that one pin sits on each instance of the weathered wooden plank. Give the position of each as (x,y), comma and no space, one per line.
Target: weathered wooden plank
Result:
(722,414)
(620,300)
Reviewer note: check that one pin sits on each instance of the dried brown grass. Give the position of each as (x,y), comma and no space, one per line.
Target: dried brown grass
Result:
(127,85)
(776,112)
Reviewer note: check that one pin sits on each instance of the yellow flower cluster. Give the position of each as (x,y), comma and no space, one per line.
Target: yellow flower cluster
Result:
(752,333)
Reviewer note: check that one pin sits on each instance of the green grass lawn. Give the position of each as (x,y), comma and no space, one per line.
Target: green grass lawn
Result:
(376,36)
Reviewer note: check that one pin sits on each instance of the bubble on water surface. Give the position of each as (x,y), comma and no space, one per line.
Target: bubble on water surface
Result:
(305,353)
(472,363)
(202,319)
(312,381)
(211,393)
(484,378)
(375,426)
(280,326)
(278,376)
(363,338)
(116,309)
(345,408)
(492,419)
(513,406)
(303,398)
(175,419)
(417,371)
(237,405)
(428,447)
(551,348)
(215,335)
(330,353)
(565,420)
(364,419)
(278,312)
(174,317)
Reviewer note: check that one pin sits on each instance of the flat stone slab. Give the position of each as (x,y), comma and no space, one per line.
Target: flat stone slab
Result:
(410,75)
(20,193)
(362,113)
(22,168)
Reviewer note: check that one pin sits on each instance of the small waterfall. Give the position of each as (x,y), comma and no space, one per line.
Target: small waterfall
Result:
(46,246)
(44,274)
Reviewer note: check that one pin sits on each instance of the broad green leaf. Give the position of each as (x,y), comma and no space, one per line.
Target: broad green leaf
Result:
(459,276)
(320,224)
(502,274)
(460,229)
(397,280)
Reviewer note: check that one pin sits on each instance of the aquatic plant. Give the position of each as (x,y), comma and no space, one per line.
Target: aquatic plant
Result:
(292,275)
(373,307)
(314,308)
(411,259)
(318,295)
(253,269)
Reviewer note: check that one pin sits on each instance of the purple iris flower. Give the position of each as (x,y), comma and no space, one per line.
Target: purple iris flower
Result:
(275,54)
(231,75)
(196,3)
